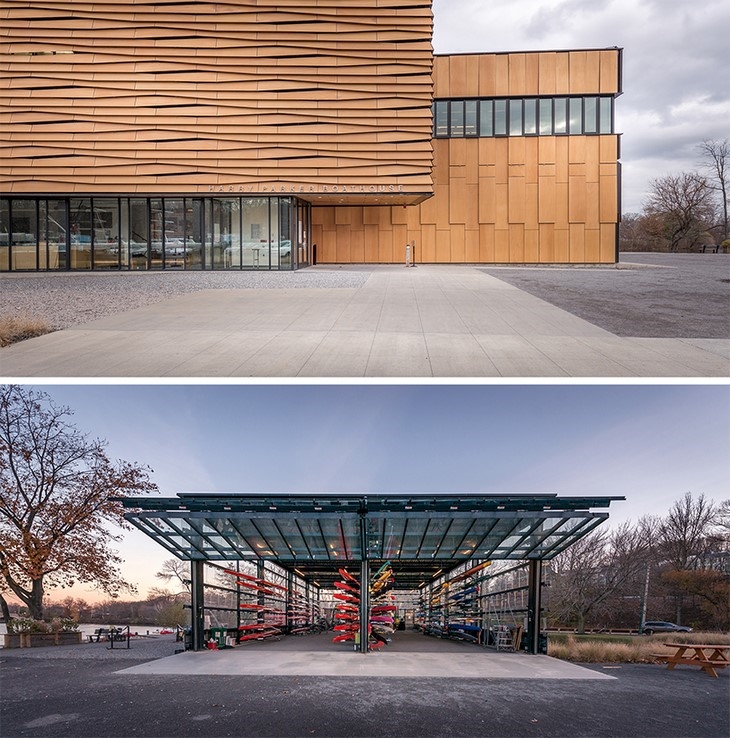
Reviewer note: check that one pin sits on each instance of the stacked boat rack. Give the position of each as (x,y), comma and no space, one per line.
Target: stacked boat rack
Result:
(467,607)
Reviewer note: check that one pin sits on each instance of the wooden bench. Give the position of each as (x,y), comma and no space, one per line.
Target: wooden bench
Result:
(709,657)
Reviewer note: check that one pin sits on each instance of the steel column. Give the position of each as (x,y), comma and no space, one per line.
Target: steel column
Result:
(364,604)
(534,604)
(197,602)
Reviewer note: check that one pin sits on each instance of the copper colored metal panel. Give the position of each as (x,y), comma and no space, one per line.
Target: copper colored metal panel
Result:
(201,98)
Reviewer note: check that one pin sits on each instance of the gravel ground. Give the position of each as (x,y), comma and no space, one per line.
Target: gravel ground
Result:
(68,299)
(141,648)
(649,295)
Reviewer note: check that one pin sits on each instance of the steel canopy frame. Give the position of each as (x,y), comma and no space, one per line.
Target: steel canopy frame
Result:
(422,535)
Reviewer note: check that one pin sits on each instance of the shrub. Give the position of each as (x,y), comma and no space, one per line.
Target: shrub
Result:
(28,625)
(638,650)
(13,330)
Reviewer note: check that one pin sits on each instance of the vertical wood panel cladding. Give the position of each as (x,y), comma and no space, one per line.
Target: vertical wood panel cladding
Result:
(134,96)
(527,73)
(543,199)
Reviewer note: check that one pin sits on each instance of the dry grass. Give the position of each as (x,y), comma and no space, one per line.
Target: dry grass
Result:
(13,330)
(596,651)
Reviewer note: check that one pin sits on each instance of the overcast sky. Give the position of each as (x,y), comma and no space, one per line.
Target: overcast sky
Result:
(651,444)
(676,80)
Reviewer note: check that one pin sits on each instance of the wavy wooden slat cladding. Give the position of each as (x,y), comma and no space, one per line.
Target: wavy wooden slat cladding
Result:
(130,97)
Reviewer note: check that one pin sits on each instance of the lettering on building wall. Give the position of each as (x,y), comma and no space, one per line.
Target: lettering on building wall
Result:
(307,189)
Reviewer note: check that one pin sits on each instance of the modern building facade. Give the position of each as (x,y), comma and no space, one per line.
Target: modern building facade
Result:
(260,135)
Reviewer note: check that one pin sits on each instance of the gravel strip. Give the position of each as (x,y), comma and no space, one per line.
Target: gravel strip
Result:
(67,299)
(141,648)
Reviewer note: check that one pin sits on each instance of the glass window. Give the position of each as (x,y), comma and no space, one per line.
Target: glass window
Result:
(486,113)
(575,120)
(174,233)
(590,114)
(42,234)
(227,233)
(441,118)
(256,232)
(57,234)
(560,115)
(530,117)
(281,255)
(546,117)
(4,235)
(80,229)
(24,235)
(138,235)
(457,118)
(106,233)
(470,118)
(515,117)
(500,117)
(157,233)
(194,233)
(606,115)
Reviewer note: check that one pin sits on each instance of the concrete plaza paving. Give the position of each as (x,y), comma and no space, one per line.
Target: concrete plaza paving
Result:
(431,321)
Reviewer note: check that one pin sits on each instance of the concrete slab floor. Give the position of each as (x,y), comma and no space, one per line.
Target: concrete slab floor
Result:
(480,665)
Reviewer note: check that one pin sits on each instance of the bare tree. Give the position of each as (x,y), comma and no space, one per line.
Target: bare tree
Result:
(596,569)
(685,534)
(686,539)
(682,204)
(57,500)
(716,160)
(177,572)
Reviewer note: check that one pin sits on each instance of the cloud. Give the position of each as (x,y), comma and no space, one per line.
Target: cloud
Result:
(676,91)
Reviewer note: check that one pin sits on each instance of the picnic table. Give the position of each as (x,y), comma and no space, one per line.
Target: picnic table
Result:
(708,657)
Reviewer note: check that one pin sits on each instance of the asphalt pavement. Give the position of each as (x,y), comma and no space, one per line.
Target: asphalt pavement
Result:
(64,694)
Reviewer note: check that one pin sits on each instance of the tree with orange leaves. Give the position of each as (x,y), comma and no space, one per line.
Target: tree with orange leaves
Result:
(58,502)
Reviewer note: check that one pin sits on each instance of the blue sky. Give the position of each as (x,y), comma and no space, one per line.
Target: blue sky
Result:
(649,443)
(676,91)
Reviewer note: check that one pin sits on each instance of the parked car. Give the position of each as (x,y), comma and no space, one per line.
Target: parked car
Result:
(661,626)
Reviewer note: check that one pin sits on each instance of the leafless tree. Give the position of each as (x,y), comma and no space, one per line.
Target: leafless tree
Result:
(57,497)
(716,160)
(596,569)
(683,206)
(177,572)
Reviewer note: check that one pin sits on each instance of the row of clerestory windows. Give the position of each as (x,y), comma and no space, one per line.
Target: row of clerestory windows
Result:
(523,116)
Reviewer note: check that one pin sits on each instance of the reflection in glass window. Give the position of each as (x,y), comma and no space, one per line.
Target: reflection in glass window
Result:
(457,118)
(441,118)
(590,114)
(500,117)
(157,219)
(486,114)
(515,117)
(470,118)
(606,115)
(57,234)
(80,228)
(174,233)
(530,117)
(575,111)
(4,235)
(546,117)
(524,116)
(24,234)
(194,233)
(139,230)
(560,115)
(106,233)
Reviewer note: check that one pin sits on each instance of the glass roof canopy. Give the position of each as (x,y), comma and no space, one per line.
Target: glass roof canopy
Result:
(421,535)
